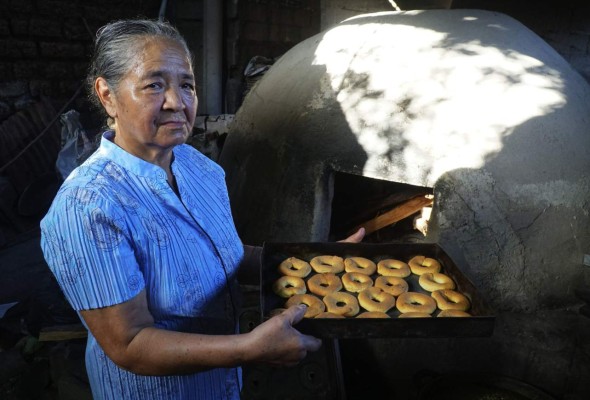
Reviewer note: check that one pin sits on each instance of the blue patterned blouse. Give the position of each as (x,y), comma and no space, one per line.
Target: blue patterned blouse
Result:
(116,227)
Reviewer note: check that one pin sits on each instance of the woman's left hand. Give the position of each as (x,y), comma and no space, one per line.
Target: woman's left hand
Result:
(356,237)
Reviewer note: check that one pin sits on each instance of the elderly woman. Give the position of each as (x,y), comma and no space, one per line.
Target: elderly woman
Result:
(141,239)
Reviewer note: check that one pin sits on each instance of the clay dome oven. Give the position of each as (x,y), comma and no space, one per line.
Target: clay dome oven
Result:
(468,105)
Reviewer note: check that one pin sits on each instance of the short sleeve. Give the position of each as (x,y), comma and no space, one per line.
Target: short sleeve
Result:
(87,246)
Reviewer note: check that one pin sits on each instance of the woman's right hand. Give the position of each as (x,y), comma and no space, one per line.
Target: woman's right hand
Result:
(277,342)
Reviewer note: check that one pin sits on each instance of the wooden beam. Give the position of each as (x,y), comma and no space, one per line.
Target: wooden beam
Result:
(396,214)
(62,332)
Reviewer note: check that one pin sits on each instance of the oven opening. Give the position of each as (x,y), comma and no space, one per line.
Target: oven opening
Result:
(389,211)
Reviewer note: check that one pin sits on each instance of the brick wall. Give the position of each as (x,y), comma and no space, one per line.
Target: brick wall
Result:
(270,28)
(45,46)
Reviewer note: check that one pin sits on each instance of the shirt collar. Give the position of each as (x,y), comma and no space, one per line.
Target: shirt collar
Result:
(127,160)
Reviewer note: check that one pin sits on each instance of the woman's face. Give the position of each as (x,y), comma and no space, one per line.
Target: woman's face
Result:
(155,104)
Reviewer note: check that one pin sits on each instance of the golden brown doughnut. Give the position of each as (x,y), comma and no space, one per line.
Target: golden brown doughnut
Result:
(375,299)
(392,285)
(322,284)
(453,313)
(415,302)
(421,265)
(360,264)
(327,314)
(373,314)
(295,267)
(414,315)
(355,281)
(287,286)
(391,267)
(342,303)
(327,264)
(435,281)
(447,299)
(314,305)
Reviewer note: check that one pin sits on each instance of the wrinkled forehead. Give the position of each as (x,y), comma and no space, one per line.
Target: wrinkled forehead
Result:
(153,50)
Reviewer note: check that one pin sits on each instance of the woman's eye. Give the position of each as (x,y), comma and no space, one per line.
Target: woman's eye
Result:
(154,85)
(188,86)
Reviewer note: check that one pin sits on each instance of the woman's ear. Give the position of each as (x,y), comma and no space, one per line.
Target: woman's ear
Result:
(106,96)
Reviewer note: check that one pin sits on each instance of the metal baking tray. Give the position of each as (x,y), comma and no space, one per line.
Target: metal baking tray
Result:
(480,324)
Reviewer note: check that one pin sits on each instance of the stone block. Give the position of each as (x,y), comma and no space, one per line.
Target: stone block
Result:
(19,26)
(69,87)
(190,9)
(25,6)
(5,110)
(13,89)
(61,8)
(283,16)
(80,68)
(255,13)
(282,33)
(57,70)
(255,31)
(11,49)
(45,27)
(6,70)
(64,50)
(25,70)
(74,29)
(40,86)
(4,30)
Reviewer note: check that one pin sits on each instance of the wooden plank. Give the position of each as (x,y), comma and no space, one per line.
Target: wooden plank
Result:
(396,214)
(62,332)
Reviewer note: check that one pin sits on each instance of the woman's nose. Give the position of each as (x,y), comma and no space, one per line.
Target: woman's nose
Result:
(173,100)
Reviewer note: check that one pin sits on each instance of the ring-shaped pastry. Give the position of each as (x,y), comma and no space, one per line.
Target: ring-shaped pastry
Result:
(414,315)
(327,264)
(375,299)
(447,299)
(421,265)
(432,281)
(360,264)
(392,267)
(355,281)
(342,303)
(415,302)
(392,285)
(314,305)
(453,313)
(287,286)
(293,266)
(327,314)
(373,314)
(323,284)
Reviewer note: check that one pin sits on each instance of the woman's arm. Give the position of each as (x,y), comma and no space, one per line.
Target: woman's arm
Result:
(126,333)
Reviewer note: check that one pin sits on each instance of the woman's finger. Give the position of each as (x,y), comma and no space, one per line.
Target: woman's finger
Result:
(295,314)
(356,237)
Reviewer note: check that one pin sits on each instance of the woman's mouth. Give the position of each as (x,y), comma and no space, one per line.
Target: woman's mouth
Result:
(173,123)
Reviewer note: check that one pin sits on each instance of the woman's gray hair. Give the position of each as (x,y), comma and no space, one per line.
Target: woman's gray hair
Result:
(116,46)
